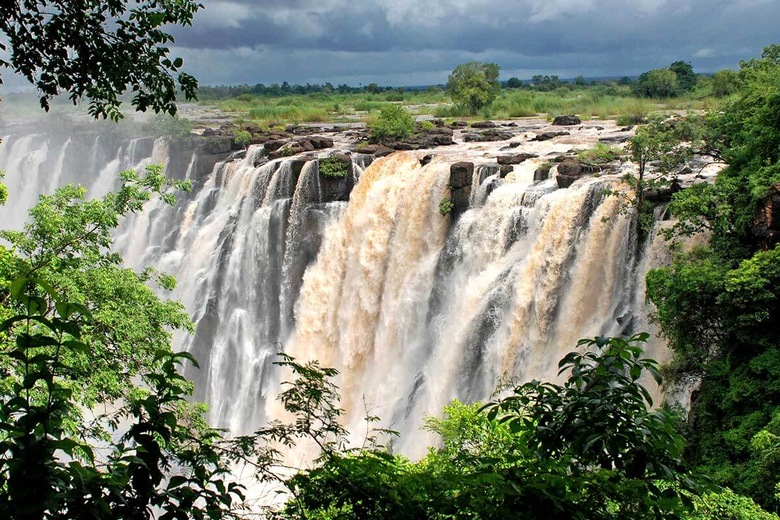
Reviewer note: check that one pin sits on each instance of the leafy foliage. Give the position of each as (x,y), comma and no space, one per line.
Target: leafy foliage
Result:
(474,85)
(333,167)
(97,50)
(393,122)
(589,448)
(242,137)
(445,206)
(658,83)
(717,305)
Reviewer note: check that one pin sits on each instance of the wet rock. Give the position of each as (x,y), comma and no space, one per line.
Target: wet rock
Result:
(487,136)
(459,124)
(377,150)
(335,189)
(617,139)
(426,159)
(546,136)
(272,145)
(515,159)
(570,171)
(442,130)
(461,174)
(505,170)
(510,146)
(766,225)
(566,120)
(306,145)
(296,166)
(483,124)
(216,145)
(542,173)
(460,200)
(320,143)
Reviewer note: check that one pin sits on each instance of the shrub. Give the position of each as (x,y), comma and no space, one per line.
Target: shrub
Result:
(600,154)
(393,121)
(445,206)
(242,137)
(334,167)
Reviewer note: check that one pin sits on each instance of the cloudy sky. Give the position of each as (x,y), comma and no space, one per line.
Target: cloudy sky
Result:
(418,42)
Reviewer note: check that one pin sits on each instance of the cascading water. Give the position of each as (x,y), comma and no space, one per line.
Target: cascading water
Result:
(412,308)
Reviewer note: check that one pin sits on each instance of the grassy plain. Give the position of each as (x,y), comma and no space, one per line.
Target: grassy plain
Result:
(591,102)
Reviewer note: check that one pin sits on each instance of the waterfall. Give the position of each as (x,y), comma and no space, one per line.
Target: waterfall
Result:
(414,308)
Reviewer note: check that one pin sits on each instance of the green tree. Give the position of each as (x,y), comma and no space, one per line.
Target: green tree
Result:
(717,305)
(658,83)
(724,83)
(513,83)
(474,85)
(97,50)
(590,448)
(686,78)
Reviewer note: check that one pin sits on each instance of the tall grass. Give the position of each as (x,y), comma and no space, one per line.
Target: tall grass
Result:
(601,102)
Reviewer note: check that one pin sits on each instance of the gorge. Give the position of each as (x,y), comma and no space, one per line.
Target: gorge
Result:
(413,305)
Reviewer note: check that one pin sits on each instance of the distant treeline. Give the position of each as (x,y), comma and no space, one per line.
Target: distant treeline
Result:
(539,83)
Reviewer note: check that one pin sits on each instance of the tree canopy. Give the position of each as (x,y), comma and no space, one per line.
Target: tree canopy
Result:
(474,85)
(98,49)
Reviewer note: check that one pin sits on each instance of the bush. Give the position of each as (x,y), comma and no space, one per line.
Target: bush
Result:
(334,167)
(600,154)
(445,206)
(172,128)
(242,137)
(727,505)
(393,122)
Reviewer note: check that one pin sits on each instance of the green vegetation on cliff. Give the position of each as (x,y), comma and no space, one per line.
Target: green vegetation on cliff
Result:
(719,305)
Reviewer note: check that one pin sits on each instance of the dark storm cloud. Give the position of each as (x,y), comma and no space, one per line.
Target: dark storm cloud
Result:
(415,42)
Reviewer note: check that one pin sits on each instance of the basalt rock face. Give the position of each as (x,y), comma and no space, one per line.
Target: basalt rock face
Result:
(461,178)
(766,225)
(570,171)
(542,173)
(337,189)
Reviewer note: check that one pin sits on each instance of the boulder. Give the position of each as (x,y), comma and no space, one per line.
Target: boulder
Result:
(570,168)
(568,172)
(566,120)
(306,145)
(426,159)
(617,139)
(338,188)
(461,174)
(515,159)
(217,145)
(274,144)
(546,136)
(542,173)
(487,136)
(483,124)
(505,170)
(319,142)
